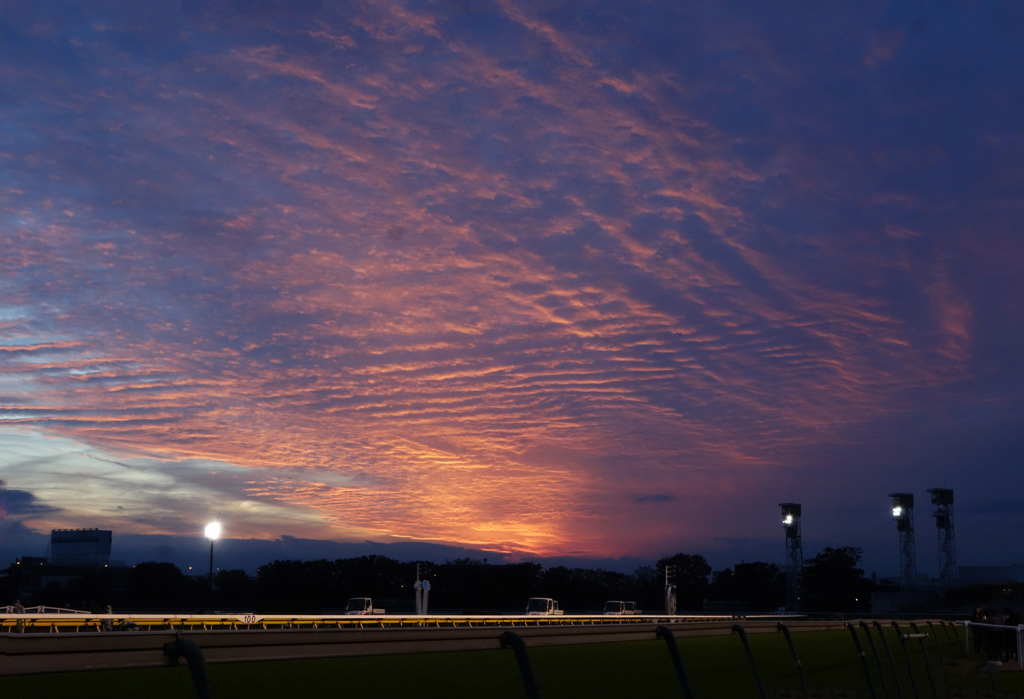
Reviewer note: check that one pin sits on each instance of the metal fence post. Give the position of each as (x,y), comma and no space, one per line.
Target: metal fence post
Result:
(924,651)
(892,660)
(796,659)
(736,628)
(1020,647)
(878,658)
(184,648)
(510,639)
(906,654)
(938,643)
(949,642)
(863,658)
(677,662)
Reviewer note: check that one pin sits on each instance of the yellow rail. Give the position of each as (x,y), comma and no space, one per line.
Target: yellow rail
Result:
(77,623)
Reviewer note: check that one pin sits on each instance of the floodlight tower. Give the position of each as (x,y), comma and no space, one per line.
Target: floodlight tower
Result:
(903,513)
(794,554)
(942,498)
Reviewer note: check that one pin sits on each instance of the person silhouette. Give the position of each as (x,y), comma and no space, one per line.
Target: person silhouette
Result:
(19,608)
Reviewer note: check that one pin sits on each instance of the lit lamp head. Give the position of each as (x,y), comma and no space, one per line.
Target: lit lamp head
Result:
(213,531)
(791,520)
(790,513)
(902,506)
(901,502)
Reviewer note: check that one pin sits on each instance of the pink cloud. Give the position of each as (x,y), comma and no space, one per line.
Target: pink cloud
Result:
(492,294)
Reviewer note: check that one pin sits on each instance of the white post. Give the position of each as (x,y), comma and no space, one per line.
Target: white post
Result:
(1020,647)
(417,586)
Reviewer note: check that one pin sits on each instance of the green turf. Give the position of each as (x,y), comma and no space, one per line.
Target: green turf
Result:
(717,667)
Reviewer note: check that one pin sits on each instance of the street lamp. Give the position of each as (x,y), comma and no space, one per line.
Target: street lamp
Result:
(212,533)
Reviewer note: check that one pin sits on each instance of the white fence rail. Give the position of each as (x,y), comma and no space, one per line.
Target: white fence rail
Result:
(1018,632)
(9,609)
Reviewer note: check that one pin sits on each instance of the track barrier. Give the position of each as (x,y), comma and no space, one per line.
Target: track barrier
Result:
(956,636)
(906,655)
(938,644)
(863,659)
(951,645)
(184,648)
(987,632)
(510,639)
(58,650)
(737,629)
(892,660)
(878,658)
(796,659)
(63,621)
(677,662)
(924,651)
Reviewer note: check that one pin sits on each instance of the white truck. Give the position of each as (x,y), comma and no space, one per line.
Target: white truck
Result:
(542,606)
(620,608)
(361,606)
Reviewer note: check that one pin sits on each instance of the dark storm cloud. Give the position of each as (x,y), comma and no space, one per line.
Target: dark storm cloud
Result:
(466,272)
(21,504)
(18,507)
(657,497)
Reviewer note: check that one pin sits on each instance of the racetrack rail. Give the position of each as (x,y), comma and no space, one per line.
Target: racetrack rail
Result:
(84,621)
(27,653)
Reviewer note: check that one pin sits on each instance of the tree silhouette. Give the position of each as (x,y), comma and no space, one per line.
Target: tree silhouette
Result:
(832,581)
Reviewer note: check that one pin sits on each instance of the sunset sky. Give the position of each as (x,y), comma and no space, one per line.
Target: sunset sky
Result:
(538,278)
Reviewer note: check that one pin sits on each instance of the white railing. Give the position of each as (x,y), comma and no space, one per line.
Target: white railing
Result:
(9,609)
(1018,632)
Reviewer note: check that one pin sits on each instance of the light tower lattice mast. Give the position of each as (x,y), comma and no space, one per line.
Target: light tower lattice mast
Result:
(942,498)
(903,513)
(794,554)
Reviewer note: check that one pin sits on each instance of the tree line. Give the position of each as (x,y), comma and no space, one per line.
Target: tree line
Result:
(831,582)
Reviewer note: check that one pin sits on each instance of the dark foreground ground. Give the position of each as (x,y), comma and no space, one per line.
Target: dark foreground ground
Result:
(717,667)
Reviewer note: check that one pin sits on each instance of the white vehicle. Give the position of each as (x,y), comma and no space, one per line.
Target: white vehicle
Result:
(615,607)
(618,608)
(360,606)
(542,606)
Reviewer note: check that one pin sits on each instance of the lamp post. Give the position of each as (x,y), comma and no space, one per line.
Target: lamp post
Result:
(212,533)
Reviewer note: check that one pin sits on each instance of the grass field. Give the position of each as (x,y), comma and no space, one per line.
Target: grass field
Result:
(717,667)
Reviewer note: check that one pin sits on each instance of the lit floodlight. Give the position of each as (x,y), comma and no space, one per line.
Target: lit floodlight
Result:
(897,511)
(213,531)
(788,520)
